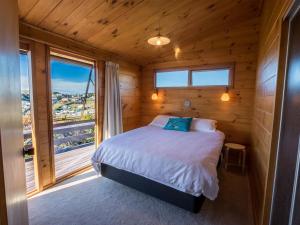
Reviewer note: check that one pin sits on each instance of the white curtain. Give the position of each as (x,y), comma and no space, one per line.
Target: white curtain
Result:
(112,124)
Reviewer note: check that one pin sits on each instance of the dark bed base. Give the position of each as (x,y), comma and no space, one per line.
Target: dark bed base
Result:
(161,191)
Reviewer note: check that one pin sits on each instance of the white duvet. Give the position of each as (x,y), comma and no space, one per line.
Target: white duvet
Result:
(186,161)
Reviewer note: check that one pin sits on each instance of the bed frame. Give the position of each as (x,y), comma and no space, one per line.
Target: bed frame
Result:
(153,188)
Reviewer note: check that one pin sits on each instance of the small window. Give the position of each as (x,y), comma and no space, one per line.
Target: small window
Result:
(219,77)
(204,77)
(179,78)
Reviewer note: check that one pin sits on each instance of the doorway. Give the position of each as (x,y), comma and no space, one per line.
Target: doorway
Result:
(73,113)
(27,119)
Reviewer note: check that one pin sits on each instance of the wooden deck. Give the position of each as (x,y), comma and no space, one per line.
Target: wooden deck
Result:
(30,182)
(65,163)
(68,162)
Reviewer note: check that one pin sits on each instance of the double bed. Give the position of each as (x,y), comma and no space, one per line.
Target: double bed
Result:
(178,167)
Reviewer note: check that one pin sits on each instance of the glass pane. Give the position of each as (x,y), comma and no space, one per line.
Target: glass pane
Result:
(172,79)
(211,77)
(27,119)
(73,109)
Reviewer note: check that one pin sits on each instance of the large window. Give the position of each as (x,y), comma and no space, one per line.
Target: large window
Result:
(215,77)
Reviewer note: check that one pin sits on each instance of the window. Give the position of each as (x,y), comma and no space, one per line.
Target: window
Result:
(219,77)
(194,78)
(178,78)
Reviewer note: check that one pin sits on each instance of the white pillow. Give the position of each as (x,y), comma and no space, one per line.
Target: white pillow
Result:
(161,120)
(204,125)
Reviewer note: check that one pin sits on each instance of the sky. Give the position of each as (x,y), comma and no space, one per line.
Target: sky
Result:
(210,77)
(70,78)
(24,72)
(172,79)
(66,77)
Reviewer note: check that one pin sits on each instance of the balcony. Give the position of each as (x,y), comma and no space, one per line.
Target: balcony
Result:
(73,144)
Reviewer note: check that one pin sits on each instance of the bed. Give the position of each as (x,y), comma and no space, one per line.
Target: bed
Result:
(178,167)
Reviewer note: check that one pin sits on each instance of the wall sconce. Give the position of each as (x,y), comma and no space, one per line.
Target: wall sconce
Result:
(225,96)
(154,96)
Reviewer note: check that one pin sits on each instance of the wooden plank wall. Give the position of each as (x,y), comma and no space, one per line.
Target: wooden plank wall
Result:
(237,45)
(130,89)
(130,95)
(267,71)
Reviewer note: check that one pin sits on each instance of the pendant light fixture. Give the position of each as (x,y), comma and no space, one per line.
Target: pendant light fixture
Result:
(159,40)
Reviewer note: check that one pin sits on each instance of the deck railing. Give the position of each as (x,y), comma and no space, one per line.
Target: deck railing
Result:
(69,136)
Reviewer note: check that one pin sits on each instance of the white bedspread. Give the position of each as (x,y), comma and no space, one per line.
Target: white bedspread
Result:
(186,161)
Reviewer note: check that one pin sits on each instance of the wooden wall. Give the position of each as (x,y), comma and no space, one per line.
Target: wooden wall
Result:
(130,89)
(237,45)
(265,93)
(130,93)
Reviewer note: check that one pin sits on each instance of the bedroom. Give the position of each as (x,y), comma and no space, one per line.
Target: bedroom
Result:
(217,71)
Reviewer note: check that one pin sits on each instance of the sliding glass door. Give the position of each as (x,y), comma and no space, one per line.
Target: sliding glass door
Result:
(27,117)
(73,113)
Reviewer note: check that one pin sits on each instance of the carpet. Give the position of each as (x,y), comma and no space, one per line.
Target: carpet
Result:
(87,199)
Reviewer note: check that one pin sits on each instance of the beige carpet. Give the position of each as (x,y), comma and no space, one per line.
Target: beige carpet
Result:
(90,200)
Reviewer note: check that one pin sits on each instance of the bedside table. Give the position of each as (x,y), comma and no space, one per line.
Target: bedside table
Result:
(242,155)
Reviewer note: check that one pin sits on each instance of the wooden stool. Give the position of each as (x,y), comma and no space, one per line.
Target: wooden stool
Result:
(242,154)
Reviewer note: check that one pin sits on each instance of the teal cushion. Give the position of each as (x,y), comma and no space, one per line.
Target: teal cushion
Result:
(179,124)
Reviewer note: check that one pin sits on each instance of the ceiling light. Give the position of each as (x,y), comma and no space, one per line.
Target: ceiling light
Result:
(159,40)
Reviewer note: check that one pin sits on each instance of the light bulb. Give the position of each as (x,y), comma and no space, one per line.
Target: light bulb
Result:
(225,97)
(158,42)
(154,96)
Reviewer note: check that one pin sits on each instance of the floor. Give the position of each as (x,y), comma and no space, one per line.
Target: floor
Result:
(88,199)
(64,164)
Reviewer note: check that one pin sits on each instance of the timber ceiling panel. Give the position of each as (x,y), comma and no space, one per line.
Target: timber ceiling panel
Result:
(123,26)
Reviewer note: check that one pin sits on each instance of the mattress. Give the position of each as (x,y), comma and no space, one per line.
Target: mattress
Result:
(186,161)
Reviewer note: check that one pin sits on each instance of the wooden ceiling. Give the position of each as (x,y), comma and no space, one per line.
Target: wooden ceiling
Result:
(123,26)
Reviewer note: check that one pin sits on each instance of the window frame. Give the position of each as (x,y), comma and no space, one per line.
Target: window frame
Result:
(229,66)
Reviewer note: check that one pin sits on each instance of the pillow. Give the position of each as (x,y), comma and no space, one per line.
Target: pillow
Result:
(179,124)
(204,125)
(161,120)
